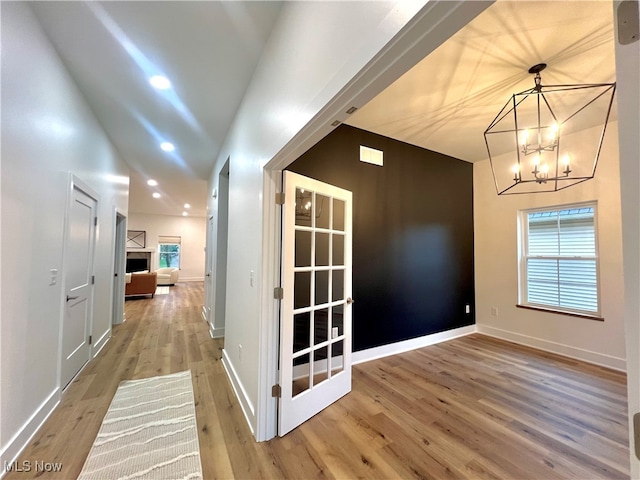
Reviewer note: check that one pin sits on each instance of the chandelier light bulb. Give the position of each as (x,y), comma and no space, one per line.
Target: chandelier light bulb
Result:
(516,169)
(545,169)
(524,137)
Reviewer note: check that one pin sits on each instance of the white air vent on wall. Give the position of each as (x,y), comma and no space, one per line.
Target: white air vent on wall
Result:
(370,155)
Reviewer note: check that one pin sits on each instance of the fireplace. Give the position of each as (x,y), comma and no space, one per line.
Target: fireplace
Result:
(138,261)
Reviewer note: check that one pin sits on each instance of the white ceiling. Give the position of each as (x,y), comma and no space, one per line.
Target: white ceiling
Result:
(209,51)
(446,102)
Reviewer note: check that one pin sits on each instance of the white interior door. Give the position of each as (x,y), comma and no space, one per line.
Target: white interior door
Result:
(79,254)
(208,279)
(315,323)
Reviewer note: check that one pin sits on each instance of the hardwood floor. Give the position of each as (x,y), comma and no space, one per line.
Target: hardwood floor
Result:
(473,407)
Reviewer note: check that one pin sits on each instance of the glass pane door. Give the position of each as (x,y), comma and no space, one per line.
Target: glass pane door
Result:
(316,319)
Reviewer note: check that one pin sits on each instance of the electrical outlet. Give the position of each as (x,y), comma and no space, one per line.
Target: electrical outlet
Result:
(251,277)
(494,311)
(467,308)
(239,352)
(54,276)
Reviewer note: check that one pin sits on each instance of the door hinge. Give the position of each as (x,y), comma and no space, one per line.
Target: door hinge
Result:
(280,198)
(278,293)
(90,339)
(95,221)
(276,391)
(93,279)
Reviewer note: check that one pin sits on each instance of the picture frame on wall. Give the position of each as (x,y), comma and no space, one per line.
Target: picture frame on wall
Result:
(136,238)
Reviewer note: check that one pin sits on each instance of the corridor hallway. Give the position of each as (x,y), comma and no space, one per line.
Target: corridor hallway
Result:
(474,407)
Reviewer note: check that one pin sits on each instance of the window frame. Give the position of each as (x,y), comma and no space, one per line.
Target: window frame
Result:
(523,256)
(160,253)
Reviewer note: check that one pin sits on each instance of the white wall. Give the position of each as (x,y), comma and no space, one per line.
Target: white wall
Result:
(496,265)
(47,132)
(192,231)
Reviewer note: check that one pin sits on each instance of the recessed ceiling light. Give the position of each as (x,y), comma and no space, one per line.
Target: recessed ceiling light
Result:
(160,82)
(167,146)
(184,214)
(156,195)
(186,205)
(151,182)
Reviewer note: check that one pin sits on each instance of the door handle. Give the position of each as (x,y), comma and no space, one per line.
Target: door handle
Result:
(71,298)
(350,301)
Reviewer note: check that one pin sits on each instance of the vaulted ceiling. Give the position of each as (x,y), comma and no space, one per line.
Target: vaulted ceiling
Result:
(209,50)
(446,102)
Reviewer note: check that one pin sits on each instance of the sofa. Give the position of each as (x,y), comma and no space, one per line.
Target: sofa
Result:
(168,275)
(141,283)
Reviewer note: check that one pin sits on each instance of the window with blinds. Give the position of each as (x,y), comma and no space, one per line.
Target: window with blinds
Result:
(559,261)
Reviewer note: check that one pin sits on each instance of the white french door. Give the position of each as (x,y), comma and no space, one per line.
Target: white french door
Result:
(316,309)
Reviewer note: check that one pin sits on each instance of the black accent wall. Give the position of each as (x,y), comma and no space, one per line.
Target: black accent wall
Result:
(412,234)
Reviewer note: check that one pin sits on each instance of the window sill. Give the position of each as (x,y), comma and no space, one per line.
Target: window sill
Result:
(562,312)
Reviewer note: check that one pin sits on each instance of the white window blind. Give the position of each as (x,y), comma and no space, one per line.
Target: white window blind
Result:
(169,239)
(560,259)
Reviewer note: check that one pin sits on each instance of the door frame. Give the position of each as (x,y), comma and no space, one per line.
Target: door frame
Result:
(220,259)
(208,271)
(74,182)
(119,259)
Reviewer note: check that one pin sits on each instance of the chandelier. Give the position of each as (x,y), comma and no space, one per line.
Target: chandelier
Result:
(548,137)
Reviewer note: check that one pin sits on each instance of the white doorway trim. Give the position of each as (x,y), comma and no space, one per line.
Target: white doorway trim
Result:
(427,30)
(217,315)
(209,277)
(74,183)
(118,266)
(628,77)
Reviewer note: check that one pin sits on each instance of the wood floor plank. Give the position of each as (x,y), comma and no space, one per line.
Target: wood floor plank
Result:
(471,408)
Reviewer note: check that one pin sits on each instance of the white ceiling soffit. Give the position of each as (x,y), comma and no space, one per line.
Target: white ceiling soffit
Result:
(208,50)
(446,102)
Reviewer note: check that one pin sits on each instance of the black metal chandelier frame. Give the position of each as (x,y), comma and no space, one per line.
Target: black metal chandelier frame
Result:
(540,175)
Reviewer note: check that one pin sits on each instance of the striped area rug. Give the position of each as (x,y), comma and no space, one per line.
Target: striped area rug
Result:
(149,432)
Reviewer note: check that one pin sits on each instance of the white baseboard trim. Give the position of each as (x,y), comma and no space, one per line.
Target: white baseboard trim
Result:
(190,279)
(99,345)
(407,345)
(588,356)
(216,332)
(241,394)
(21,439)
